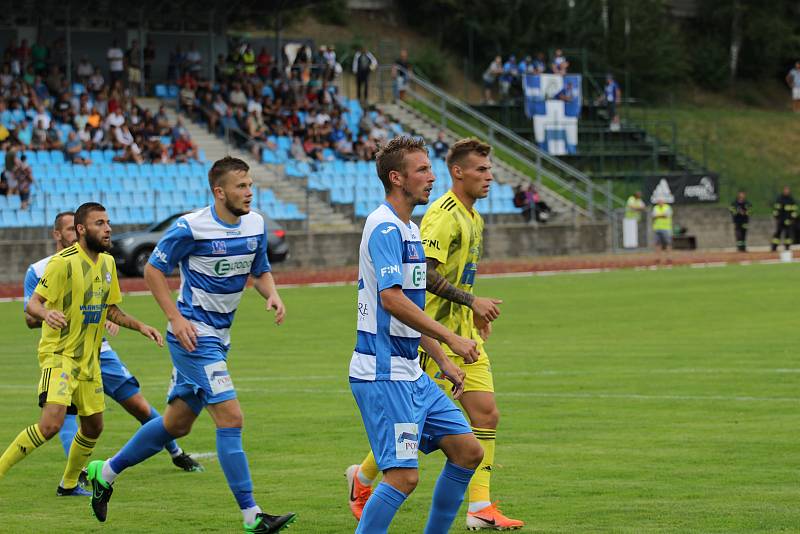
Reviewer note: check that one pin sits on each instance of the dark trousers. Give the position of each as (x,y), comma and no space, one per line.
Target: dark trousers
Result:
(786,230)
(740,229)
(362,81)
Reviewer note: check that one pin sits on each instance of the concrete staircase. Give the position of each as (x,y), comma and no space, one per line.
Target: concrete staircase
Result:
(321,216)
(414,121)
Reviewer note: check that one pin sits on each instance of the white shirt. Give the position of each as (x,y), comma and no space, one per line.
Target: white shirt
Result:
(115,57)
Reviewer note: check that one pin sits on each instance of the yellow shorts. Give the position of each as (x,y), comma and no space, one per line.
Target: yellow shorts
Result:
(81,397)
(479,373)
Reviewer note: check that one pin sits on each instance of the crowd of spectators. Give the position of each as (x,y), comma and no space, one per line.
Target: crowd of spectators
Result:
(41,110)
(255,103)
(506,77)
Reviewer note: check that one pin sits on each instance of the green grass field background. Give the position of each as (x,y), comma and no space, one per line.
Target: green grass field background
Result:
(631,401)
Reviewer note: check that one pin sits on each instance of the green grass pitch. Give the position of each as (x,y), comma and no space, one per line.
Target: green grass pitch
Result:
(631,401)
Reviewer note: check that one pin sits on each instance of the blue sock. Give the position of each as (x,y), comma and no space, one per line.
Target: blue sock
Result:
(380,509)
(147,441)
(67,432)
(234,464)
(172,447)
(447,497)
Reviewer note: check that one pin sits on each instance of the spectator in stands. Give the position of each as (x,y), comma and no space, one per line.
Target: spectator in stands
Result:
(176,60)
(184,149)
(612,96)
(566,93)
(249,61)
(522,67)
(133,59)
(24,177)
(237,97)
(116,58)
(490,77)
(559,65)
(332,67)
(162,121)
(72,150)
(440,147)
(793,80)
(39,136)
(523,199)
(85,70)
(402,71)
(263,64)
(54,138)
(187,96)
(39,55)
(149,58)
(194,60)
(541,210)
(511,71)
(363,65)
(96,82)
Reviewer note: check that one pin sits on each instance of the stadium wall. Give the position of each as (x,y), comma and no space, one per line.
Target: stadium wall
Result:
(713,228)
(339,249)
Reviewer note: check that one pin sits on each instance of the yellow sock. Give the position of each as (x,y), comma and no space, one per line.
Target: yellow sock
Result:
(369,468)
(79,453)
(479,485)
(25,443)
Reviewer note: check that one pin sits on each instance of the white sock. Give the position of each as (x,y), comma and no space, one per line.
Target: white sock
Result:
(478,506)
(250,514)
(108,474)
(364,480)
(176,453)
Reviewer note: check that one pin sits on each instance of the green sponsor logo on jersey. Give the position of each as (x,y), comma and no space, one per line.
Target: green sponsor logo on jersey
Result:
(416,276)
(223,267)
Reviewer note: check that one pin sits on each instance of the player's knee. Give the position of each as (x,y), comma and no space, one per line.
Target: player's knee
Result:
(493,418)
(50,428)
(472,454)
(177,429)
(409,481)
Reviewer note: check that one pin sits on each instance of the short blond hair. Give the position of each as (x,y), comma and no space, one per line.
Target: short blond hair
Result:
(464,147)
(392,157)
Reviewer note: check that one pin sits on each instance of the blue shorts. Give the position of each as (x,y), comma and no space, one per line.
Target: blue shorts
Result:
(200,377)
(118,382)
(402,418)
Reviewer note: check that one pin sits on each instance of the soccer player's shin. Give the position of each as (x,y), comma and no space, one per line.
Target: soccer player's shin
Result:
(79,454)
(25,443)
(447,497)
(380,509)
(233,461)
(479,496)
(171,446)
(147,441)
(368,470)
(67,432)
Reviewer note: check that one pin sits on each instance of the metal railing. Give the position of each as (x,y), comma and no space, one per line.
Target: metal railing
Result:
(525,156)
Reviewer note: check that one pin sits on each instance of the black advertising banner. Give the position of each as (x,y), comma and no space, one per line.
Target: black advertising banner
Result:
(686,189)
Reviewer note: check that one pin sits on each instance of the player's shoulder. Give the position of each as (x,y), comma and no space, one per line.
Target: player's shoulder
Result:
(66,253)
(444,204)
(381,218)
(37,268)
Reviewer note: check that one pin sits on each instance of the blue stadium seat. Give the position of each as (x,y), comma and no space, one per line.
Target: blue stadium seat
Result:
(161,90)
(268,156)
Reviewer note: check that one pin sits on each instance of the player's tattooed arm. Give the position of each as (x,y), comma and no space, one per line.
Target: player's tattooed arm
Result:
(117,316)
(439,286)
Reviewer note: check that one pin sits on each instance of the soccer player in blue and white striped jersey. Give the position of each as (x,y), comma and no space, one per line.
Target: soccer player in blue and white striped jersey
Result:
(216,248)
(403,410)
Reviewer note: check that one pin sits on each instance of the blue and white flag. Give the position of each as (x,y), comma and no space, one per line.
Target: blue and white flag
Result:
(554,104)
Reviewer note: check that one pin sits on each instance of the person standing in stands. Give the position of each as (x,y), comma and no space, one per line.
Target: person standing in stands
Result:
(363,65)
(785,213)
(740,211)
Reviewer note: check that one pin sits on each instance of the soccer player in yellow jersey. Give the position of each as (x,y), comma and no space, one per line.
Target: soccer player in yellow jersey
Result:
(78,291)
(452,236)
